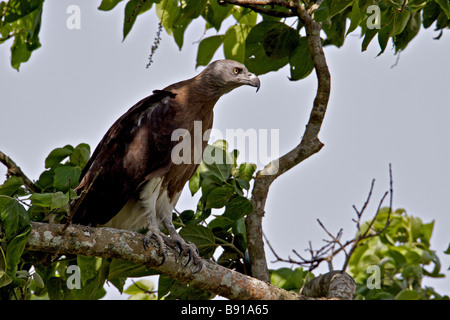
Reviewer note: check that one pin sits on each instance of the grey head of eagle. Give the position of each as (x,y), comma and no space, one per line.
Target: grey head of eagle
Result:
(130,182)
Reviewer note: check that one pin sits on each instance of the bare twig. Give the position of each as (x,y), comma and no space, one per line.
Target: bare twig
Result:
(328,251)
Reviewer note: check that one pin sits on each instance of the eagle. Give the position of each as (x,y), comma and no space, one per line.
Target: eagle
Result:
(131,181)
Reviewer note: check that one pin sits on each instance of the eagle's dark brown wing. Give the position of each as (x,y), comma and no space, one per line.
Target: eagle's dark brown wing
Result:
(136,148)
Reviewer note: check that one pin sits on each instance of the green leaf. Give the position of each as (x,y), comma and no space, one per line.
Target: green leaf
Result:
(256,58)
(3,265)
(355,17)
(164,285)
(192,9)
(194,182)
(45,181)
(322,13)
(89,267)
(338,6)
(234,42)
(187,216)
(14,217)
(17,9)
(64,175)
(407,295)
(220,224)
(57,155)
(288,279)
(370,34)
(140,286)
(238,208)
(280,41)
(448,249)
(410,31)
(15,249)
(120,270)
(11,186)
(383,37)
(430,13)
(216,14)
(207,48)
(41,199)
(80,155)
(239,230)
(167,11)
(107,5)
(246,171)
(300,61)
(59,200)
(445,6)
(400,21)
(216,162)
(219,197)
(132,10)
(202,237)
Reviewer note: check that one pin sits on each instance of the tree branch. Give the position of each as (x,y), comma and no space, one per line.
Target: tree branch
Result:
(260,7)
(127,245)
(14,170)
(334,285)
(309,145)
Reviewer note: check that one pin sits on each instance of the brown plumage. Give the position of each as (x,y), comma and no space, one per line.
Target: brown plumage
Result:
(131,181)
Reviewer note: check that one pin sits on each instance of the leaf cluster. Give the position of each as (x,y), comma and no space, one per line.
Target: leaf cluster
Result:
(399,20)
(21,20)
(403,256)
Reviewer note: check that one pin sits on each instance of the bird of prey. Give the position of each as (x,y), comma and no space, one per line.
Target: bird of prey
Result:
(131,181)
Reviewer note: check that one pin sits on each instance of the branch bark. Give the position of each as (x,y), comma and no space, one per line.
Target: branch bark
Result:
(309,144)
(127,245)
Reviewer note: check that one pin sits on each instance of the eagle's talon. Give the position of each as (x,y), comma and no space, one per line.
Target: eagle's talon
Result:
(163,260)
(180,246)
(190,256)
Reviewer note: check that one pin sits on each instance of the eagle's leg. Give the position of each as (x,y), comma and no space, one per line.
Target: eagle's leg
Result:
(154,232)
(185,248)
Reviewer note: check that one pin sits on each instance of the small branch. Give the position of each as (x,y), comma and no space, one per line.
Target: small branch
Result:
(260,7)
(14,170)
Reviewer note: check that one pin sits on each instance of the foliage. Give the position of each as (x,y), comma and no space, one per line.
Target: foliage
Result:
(401,253)
(21,20)
(25,275)
(263,41)
(394,264)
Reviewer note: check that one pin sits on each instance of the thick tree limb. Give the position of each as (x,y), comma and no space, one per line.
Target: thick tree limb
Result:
(127,245)
(334,285)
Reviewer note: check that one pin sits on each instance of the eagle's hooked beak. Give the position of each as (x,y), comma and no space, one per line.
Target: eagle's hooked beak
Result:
(254,81)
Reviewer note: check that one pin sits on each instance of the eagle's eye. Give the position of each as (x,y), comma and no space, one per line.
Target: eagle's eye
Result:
(236,71)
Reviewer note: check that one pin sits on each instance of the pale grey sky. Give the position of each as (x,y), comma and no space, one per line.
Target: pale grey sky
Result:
(80,81)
